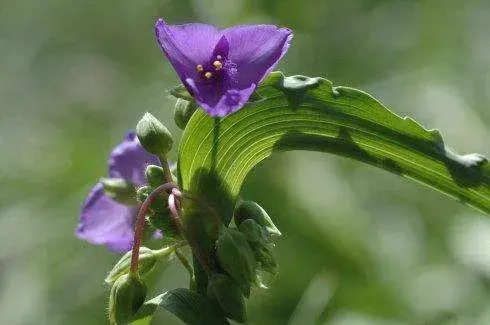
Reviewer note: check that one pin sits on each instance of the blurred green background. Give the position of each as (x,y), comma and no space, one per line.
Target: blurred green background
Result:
(360,246)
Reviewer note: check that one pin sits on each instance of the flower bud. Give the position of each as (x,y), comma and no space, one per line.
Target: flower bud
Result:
(253,231)
(153,135)
(147,260)
(142,193)
(229,297)
(266,259)
(251,210)
(155,176)
(127,295)
(183,112)
(235,256)
(119,190)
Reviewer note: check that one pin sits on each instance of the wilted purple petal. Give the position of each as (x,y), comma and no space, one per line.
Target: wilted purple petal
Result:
(128,160)
(106,222)
(222,68)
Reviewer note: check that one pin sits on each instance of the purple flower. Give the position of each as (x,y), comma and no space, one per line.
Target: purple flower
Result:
(104,221)
(222,67)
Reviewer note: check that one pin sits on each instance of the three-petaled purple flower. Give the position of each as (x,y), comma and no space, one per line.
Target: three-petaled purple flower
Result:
(105,221)
(222,67)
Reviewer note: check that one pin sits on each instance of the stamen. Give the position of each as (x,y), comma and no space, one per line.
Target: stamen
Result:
(208,75)
(217,65)
(199,68)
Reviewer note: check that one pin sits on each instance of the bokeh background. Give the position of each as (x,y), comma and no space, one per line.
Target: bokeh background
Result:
(360,246)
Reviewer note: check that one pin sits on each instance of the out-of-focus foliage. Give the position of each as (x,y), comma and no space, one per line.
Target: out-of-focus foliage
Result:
(76,74)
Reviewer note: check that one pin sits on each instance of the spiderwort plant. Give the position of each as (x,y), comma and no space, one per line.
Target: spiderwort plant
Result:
(221,68)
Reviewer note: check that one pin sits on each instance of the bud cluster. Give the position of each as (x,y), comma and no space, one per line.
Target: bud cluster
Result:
(243,253)
(156,139)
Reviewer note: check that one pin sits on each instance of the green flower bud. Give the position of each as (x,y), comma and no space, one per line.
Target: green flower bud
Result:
(147,261)
(183,112)
(153,135)
(266,259)
(142,193)
(127,295)
(251,210)
(235,256)
(229,297)
(253,231)
(119,190)
(155,176)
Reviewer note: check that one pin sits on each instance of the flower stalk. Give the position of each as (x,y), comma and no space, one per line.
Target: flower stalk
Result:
(140,222)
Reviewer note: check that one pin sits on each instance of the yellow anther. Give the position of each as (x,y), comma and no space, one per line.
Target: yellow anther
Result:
(208,75)
(217,65)
(199,68)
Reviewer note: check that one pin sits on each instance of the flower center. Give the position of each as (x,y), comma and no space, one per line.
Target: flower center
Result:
(216,69)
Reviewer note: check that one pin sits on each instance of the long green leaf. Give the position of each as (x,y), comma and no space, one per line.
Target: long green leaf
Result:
(301,113)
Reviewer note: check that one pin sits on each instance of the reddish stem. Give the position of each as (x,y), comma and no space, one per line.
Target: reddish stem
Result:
(140,222)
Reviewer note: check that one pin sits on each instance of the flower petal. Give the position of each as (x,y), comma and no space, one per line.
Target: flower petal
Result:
(128,160)
(255,50)
(106,222)
(186,46)
(220,101)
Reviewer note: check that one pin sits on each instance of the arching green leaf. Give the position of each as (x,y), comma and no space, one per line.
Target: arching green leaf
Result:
(301,113)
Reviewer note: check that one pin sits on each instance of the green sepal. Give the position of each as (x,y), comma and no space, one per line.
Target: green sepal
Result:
(180,91)
(148,259)
(266,258)
(262,247)
(235,256)
(251,210)
(183,112)
(253,231)
(153,135)
(229,296)
(119,190)
(127,295)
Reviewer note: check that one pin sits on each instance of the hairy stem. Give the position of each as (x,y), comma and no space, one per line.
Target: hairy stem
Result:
(140,223)
(166,169)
